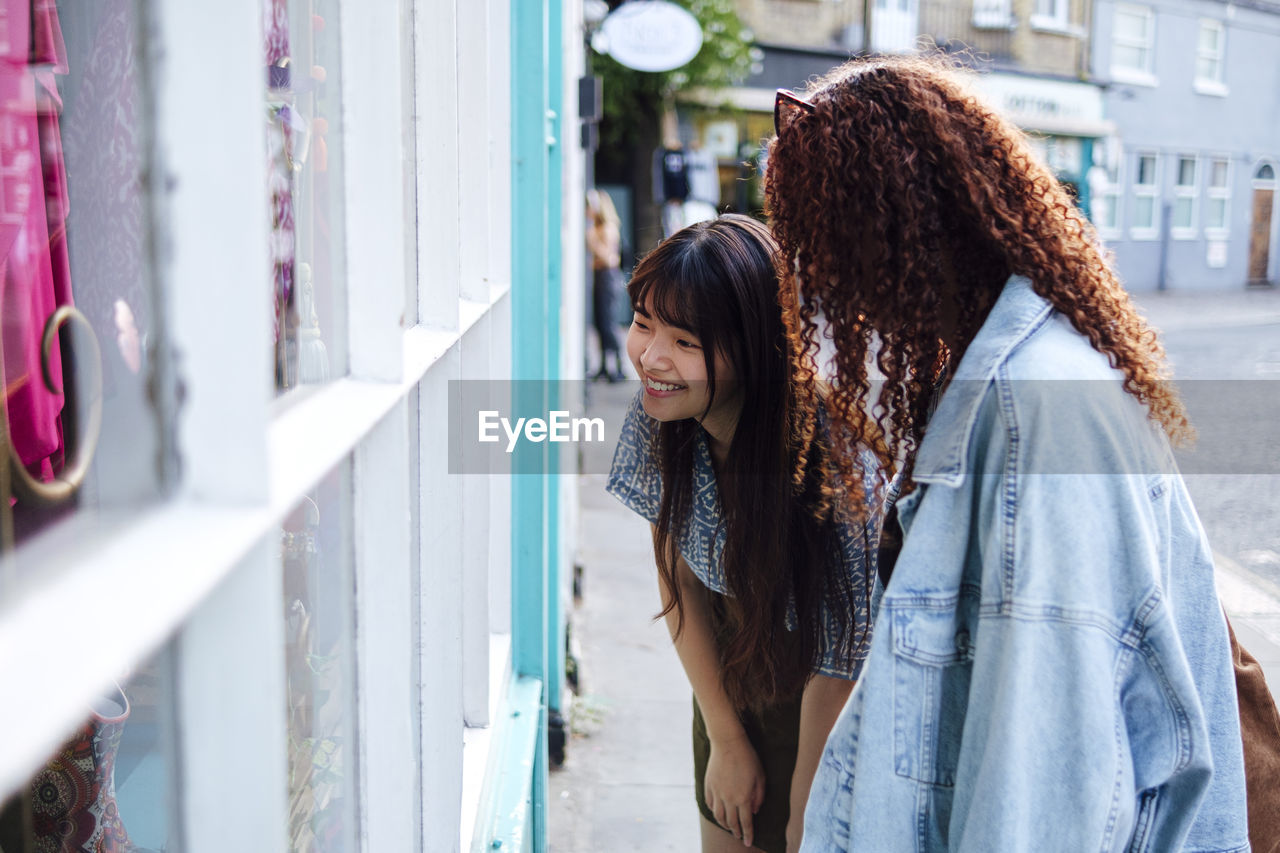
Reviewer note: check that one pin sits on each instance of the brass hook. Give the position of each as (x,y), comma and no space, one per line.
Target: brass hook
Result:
(26,487)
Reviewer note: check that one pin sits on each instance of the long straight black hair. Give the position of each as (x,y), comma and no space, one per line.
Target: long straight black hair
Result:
(719,279)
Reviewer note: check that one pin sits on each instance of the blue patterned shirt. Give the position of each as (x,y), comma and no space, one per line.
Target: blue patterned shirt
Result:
(636,480)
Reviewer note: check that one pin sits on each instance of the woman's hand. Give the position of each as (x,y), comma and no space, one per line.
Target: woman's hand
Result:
(734,786)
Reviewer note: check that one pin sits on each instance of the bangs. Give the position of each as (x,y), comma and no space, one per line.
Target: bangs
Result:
(668,300)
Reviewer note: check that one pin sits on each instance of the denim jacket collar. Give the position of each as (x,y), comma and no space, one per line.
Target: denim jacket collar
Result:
(1017,313)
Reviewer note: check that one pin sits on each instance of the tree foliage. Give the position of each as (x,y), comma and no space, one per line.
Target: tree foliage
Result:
(633,100)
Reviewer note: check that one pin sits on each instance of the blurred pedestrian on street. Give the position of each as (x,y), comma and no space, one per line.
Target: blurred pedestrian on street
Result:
(604,242)
(1050,670)
(766,587)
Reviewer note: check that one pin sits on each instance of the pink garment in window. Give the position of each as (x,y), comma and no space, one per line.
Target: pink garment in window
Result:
(34,269)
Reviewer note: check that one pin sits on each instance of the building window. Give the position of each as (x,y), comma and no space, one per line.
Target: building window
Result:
(80,407)
(1133,45)
(1186,192)
(111,778)
(1217,221)
(304,175)
(1210,58)
(1051,14)
(1106,195)
(1146,192)
(316,555)
(993,14)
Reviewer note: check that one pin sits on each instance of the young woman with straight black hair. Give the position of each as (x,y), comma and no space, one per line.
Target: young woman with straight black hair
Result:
(764,579)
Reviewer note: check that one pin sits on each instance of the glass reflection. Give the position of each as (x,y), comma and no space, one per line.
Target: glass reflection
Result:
(75,303)
(108,787)
(316,559)
(304,189)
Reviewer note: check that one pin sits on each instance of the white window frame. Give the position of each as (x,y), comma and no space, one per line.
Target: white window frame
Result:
(246,462)
(1057,20)
(1146,75)
(1114,193)
(1185,191)
(1152,191)
(1210,85)
(1215,193)
(993,15)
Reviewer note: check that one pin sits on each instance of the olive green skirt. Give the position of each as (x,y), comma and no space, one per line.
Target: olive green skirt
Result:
(775,735)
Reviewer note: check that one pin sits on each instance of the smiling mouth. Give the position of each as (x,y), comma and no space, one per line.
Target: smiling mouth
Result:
(662,386)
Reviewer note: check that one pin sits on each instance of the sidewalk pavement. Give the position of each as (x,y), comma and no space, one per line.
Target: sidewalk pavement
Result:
(1172,311)
(627,783)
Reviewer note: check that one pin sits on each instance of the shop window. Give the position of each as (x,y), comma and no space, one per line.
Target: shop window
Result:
(304,155)
(1133,44)
(109,785)
(1146,197)
(1218,198)
(1186,193)
(316,559)
(1210,58)
(77,321)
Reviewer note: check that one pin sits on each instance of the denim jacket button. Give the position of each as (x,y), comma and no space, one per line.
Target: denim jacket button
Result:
(962,642)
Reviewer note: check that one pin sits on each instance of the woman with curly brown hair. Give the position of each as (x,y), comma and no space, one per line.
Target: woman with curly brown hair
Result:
(1050,668)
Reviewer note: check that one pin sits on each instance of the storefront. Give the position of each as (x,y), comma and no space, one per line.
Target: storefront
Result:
(1063,120)
(246,602)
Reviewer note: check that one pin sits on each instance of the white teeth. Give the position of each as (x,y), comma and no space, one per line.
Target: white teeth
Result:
(662,386)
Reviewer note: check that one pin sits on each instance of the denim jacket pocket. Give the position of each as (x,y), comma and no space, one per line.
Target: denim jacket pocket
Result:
(932,664)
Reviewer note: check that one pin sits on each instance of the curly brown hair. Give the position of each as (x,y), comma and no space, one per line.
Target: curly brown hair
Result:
(902,203)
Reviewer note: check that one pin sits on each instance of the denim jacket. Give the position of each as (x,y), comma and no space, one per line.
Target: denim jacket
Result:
(1050,667)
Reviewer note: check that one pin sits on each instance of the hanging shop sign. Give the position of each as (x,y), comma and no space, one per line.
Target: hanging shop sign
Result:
(650,35)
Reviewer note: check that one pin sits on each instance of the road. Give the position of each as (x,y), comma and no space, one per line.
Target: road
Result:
(1234,357)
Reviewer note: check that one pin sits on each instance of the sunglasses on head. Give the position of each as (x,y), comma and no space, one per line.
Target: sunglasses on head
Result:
(786,107)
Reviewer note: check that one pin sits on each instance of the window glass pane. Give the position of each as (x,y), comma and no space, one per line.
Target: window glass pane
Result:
(1129,56)
(1182,210)
(992,13)
(1265,173)
(1144,212)
(73,242)
(1218,173)
(316,556)
(1216,214)
(1209,35)
(1105,207)
(1113,210)
(1130,26)
(1146,170)
(108,787)
(304,154)
(1186,172)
